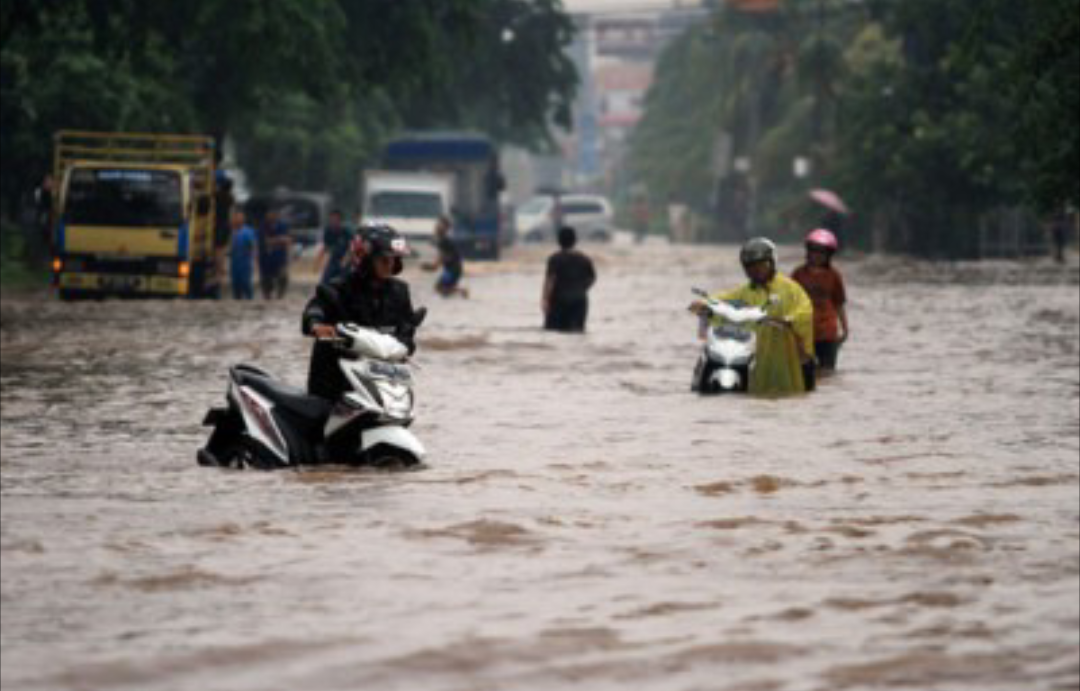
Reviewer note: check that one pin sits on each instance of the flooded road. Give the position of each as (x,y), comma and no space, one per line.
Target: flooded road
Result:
(584,523)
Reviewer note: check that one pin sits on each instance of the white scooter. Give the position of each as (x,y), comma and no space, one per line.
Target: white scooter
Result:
(730,344)
(268,424)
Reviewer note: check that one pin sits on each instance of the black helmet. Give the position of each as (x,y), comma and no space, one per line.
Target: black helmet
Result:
(758,250)
(380,240)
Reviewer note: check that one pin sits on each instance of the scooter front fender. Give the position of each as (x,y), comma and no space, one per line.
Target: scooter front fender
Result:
(393,435)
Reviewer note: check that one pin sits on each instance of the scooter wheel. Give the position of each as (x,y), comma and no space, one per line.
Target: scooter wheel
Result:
(245,452)
(386,457)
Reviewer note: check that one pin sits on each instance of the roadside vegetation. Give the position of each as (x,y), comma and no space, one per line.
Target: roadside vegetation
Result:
(305,90)
(19,270)
(930,118)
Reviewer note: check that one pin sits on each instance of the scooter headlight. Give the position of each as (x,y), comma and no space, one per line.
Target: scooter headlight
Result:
(399,406)
(728,379)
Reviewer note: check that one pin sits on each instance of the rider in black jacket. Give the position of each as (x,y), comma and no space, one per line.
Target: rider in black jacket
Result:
(366,295)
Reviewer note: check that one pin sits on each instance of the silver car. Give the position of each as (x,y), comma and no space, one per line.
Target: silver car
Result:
(590,215)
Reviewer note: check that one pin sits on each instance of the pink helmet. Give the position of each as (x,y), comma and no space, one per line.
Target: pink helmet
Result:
(824,239)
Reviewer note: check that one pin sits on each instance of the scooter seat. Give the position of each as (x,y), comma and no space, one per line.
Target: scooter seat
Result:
(310,408)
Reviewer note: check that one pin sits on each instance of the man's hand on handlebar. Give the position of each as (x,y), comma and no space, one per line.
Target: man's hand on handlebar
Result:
(323,332)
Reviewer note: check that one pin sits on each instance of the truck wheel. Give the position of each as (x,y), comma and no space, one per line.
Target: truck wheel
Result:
(70,295)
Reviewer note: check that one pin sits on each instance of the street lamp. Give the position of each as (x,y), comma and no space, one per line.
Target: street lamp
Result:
(801,166)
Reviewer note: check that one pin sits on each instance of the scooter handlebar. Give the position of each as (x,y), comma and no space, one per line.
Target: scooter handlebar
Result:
(730,312)
(370,342)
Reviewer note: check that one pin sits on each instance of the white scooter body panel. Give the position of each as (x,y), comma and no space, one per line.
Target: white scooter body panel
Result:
(393,435)
(380,384)
(729,351)
(258,413)
(392,382)
(731,344)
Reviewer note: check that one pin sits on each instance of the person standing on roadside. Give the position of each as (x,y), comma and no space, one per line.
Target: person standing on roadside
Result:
(242,254)
(275,246)
(43,217)
(640,212)
(1059,235)
(834,221)
(570,275)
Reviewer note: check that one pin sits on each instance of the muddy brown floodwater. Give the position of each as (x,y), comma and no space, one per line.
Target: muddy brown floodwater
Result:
(585,522)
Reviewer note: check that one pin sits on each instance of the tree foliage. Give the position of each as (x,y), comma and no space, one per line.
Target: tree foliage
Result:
(756,89)
(306,89)
(925,115)
(1045,76)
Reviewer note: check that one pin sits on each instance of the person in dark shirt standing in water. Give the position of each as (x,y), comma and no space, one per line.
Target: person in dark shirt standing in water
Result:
(275,246)
(570,275)
(332,256)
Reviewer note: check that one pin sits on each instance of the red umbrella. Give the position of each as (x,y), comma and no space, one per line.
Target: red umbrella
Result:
(830,200)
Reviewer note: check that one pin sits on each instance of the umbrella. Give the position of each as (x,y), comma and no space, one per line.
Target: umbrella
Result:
(830,200)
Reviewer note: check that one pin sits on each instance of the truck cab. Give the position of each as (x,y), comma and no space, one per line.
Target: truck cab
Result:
(409,202)
(134,216)
(480,226)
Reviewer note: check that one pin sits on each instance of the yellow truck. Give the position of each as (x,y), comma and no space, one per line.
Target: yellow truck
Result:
(133,215)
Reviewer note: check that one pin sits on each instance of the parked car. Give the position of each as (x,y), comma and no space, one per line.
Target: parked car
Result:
(534,219)
(591,215)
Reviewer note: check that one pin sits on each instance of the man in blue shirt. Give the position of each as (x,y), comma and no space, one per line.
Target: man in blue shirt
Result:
(242,256)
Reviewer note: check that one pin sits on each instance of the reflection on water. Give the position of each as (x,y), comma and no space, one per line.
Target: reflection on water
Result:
(585,521)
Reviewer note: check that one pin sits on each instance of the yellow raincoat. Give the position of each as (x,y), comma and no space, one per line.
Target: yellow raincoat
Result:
(778,364)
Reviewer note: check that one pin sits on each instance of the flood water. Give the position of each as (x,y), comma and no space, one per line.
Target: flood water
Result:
(584,521)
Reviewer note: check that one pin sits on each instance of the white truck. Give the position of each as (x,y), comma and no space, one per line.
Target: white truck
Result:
(409,202)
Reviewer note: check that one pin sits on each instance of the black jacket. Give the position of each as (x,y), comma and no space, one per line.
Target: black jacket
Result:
(352,297)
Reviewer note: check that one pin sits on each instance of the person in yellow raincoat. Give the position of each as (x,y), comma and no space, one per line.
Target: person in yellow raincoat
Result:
(784,362)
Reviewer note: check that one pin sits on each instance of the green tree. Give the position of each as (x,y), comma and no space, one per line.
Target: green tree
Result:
(953,131)
(673,162)
(933,117)
(497,66)
(762,88)
(1043,68)
(125,65)
(306,88)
